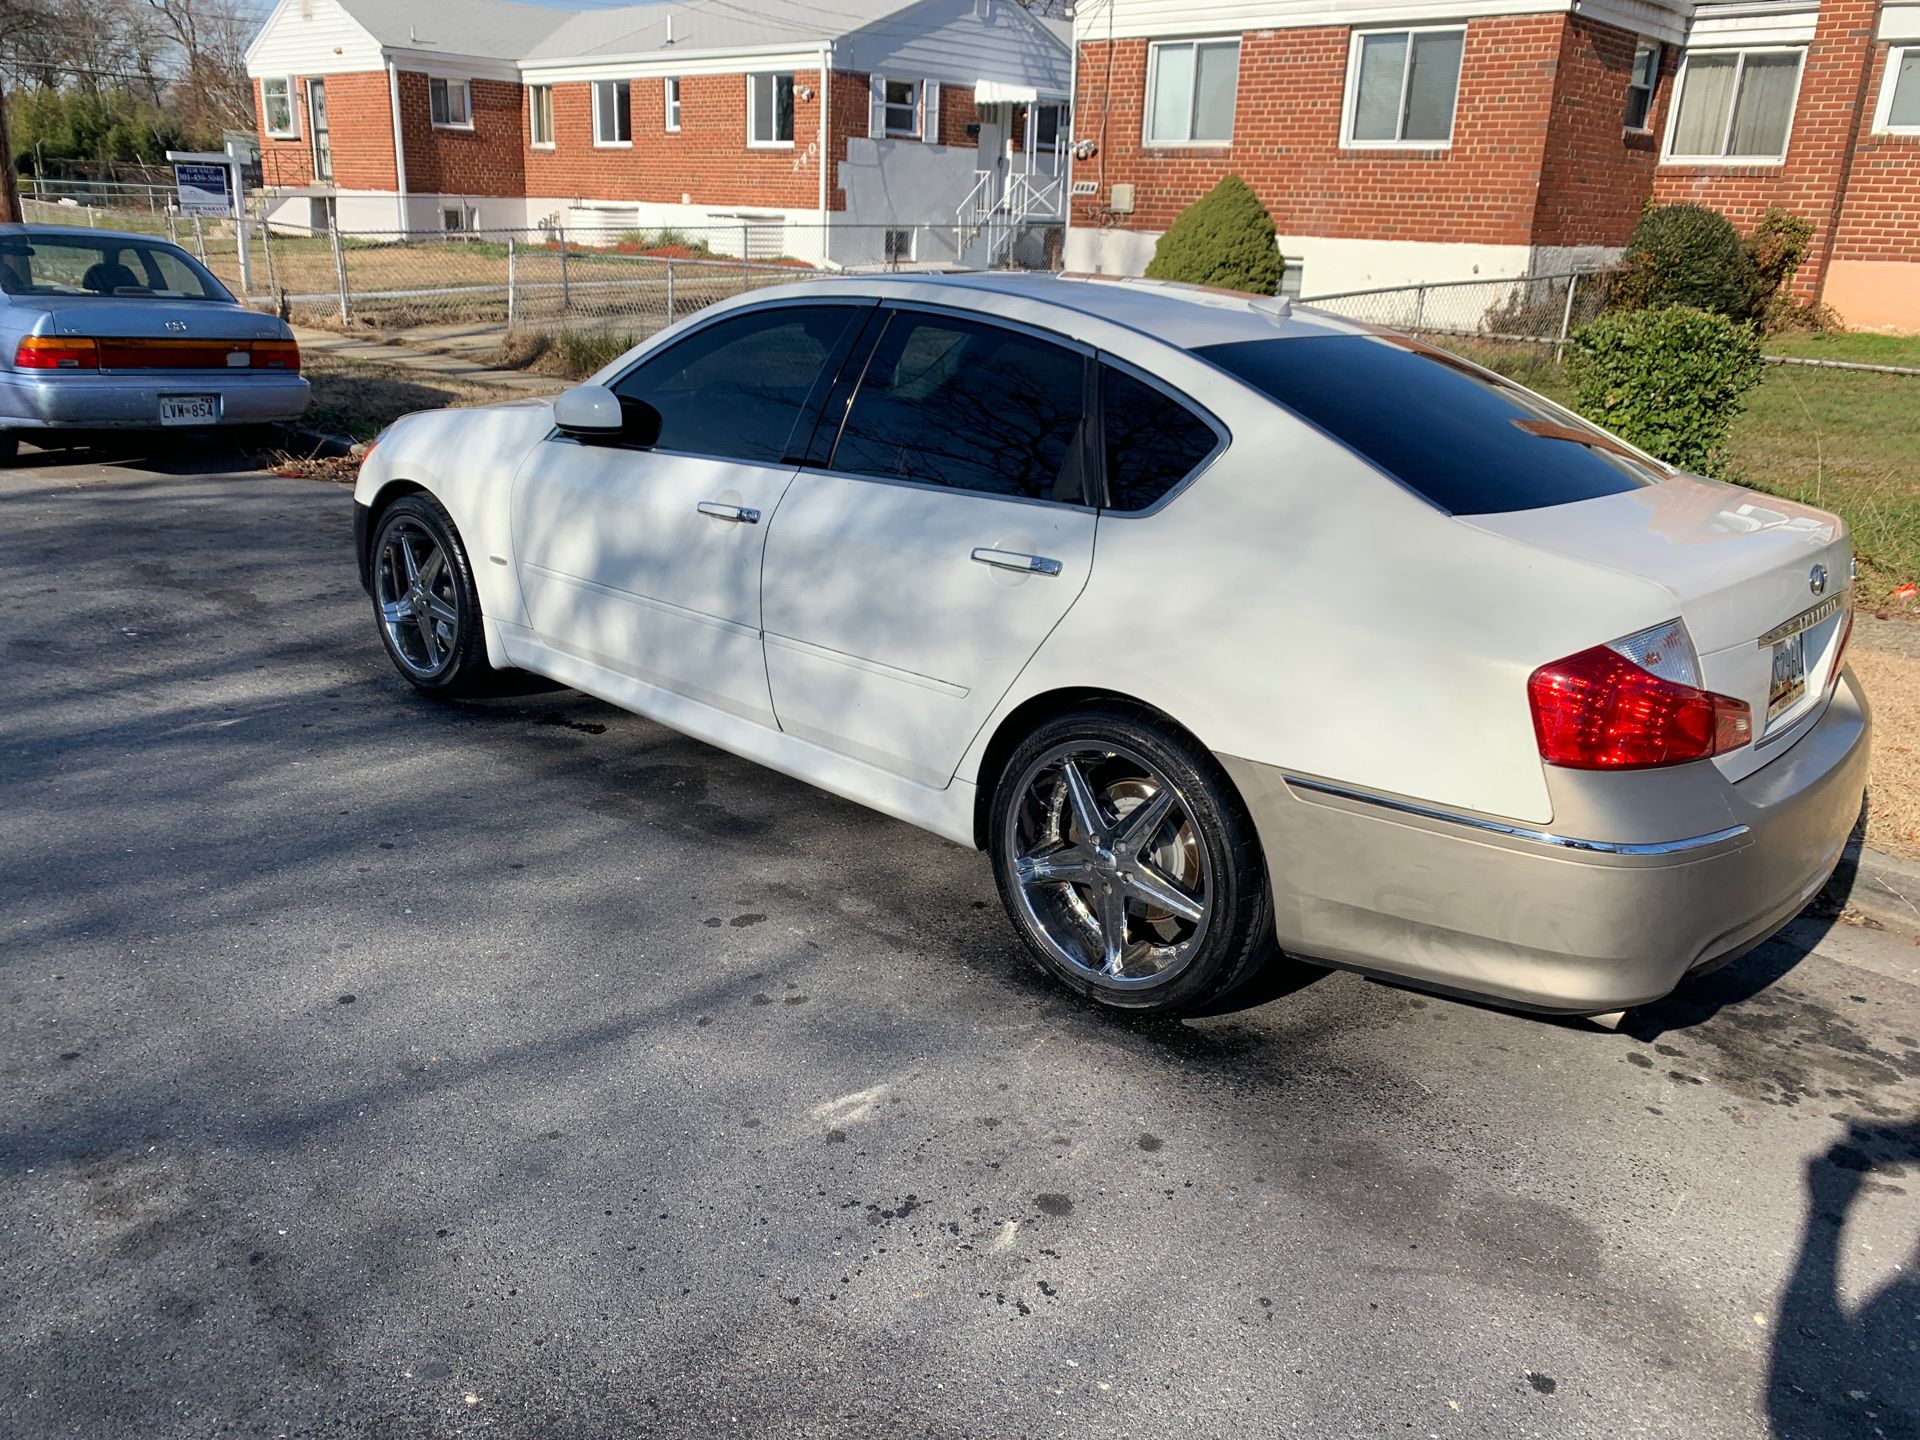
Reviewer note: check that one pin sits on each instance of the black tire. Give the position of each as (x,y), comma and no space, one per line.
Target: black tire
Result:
(451,662)
(1207,836)
(9,449)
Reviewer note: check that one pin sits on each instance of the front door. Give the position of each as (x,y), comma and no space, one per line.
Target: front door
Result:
(646,561)
(322,140)
(908,582)
(996,131)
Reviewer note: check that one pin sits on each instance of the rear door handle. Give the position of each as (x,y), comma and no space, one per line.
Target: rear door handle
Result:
(743,514)
(1014,560)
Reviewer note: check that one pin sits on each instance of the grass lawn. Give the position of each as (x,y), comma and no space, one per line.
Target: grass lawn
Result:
(359,399)
(1856,346)
(1844,440)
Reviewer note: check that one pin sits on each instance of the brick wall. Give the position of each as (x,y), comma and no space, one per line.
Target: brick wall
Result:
(488,159)
(707,160)
(1880,219)
(359,124)
(1595,175)
(1834,105)
(1286,141)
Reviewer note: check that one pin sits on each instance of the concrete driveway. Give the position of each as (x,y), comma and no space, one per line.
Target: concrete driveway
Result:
(378,1068)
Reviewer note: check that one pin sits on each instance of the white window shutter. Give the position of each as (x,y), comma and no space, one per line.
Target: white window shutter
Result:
(876,106)
(930,111)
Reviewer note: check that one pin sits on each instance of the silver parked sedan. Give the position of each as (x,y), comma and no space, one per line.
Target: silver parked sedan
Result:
(107,331)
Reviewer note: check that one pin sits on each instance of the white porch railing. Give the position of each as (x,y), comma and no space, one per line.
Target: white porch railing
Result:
(1003,211)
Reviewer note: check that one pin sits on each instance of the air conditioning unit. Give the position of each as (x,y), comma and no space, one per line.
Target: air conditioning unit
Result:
(1120,199)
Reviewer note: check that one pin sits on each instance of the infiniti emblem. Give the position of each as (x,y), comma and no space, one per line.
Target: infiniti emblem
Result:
(1817,580)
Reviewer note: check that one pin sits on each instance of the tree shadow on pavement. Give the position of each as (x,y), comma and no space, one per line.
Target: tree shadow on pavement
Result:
(1836,1372)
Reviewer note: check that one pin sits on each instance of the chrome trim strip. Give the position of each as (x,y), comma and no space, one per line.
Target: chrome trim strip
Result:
(1806,619)
(1521,832)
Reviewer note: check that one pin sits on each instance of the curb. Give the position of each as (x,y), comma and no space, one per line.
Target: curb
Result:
(1883,888)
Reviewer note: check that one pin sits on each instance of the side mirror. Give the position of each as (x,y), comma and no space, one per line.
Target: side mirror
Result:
(589,412)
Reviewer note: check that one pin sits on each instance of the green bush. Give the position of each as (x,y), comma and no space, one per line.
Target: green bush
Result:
(1777,246)
(1224,238)
(1687,255)
(1670,380)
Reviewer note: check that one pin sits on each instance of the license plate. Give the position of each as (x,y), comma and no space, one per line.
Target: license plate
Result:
(187,410)
(1789,675)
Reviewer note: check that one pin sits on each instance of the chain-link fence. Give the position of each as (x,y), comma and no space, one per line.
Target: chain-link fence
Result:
(498,281)
(1527,309)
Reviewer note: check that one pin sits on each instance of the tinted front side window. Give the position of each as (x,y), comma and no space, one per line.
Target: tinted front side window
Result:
(1465,440)
(1153,442)
(735,388)
(974,407)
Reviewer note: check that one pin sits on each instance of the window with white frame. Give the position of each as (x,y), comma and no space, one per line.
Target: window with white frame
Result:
(1191,88)
(459,219)
(1734,105)
(1401,87)
(450,103)
(1899,109)
(770,110)
(613,112)
(276,107)
(1641,85)
(899,245)
(673,102)
(540,115)
(903,107)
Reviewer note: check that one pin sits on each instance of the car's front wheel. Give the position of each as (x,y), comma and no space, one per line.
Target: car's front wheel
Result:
(1128,864)
(424,599)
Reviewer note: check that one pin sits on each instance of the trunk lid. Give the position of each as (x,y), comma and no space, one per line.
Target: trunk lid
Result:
(1763,584)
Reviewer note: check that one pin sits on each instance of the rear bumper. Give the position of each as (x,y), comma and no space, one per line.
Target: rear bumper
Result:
(30,401)
(1536,919)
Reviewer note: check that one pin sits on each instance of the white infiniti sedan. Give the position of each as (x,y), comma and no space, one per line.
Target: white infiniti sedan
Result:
(1226,629)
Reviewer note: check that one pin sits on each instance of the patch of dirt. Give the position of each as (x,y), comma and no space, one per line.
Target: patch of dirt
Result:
(1891,678)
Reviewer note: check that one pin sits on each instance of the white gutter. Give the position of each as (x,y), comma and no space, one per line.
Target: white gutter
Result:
(399,148)
(826,103)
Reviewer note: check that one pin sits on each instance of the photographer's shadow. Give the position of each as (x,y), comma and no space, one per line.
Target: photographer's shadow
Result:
(1838,1372)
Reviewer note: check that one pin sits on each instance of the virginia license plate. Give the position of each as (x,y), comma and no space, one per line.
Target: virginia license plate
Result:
(187,410)
(1789,675)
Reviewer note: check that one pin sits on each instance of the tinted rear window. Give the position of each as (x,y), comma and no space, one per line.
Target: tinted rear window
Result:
(1445,431)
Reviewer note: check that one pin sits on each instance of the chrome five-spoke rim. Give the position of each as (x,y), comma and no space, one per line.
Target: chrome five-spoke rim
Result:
(418,602)
(1109,865)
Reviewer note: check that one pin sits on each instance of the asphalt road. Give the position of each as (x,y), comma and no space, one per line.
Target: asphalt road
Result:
(377,1068)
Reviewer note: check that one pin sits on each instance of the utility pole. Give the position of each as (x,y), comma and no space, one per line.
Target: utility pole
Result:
(9,179)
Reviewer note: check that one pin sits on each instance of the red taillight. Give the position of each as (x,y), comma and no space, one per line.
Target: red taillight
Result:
(1599,711)
(56,352)
(276,355)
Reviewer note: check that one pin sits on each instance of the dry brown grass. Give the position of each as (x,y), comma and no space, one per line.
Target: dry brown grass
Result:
(1892,683)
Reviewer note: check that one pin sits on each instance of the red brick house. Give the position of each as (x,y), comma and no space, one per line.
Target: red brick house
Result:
(824,132)
(1398,141)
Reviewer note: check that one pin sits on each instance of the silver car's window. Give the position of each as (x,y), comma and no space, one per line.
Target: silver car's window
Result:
(106,267)
(1467,440)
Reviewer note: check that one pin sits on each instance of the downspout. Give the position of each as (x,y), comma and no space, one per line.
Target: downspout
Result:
(399,149)
(826,131)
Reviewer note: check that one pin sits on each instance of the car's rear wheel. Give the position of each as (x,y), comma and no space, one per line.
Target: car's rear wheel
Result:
(1128,864)
(424,599)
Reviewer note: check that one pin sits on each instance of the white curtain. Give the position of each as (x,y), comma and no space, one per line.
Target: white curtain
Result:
(1706,91)
(1765,107)
(1172,92)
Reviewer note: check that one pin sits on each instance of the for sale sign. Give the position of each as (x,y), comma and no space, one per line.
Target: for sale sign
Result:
(203,189)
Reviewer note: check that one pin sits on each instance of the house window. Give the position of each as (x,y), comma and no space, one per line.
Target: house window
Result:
(1641,84)
(450,103)
(673,102)
(1734,105)
(1191,86)
(459,219)
(540,115)
(1899,112)
(900,246)
(903,107)
(1401,86)
(1046,126)
(613,112)
(276,105)
(770,109)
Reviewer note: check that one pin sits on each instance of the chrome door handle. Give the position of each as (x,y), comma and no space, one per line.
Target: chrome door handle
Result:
(744,514)
(1014,560)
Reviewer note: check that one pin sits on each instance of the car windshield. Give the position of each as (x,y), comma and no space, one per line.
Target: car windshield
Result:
(103,267)
(1466,440)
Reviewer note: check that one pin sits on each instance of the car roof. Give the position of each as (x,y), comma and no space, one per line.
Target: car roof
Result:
(1187,316)
(32,227)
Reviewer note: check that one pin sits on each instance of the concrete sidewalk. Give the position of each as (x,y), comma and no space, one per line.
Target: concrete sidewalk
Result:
(433,362)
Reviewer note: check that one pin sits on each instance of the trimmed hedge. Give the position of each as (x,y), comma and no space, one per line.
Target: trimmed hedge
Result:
(1224,238)
(1687,255)
(1670,380)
